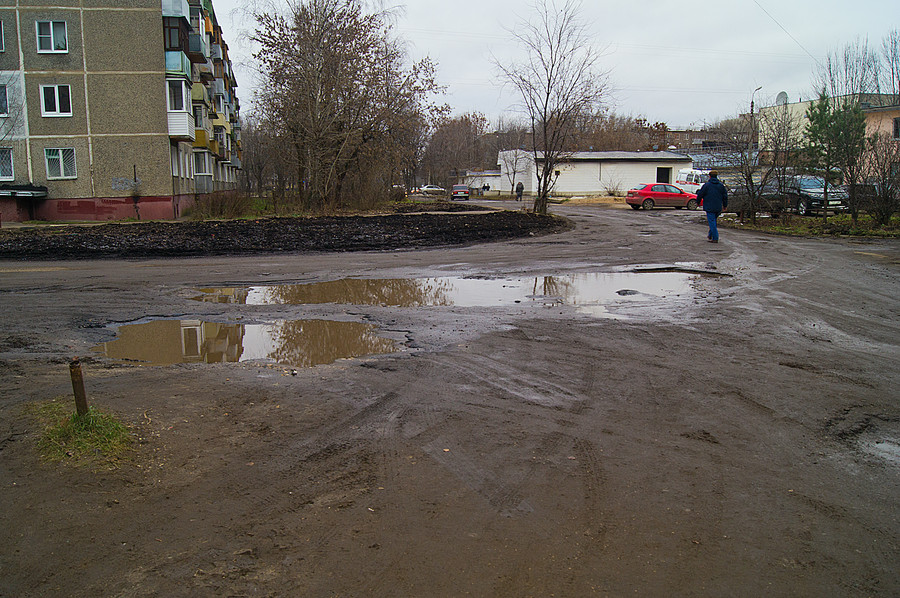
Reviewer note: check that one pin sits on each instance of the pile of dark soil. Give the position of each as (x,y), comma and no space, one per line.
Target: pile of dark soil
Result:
(347,233)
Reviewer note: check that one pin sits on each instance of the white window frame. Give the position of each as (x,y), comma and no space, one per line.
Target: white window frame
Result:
(12,171)
(52,36)
(59,157)
(4,101)
(57,113)
(204,161)
(2,38)
(186,105)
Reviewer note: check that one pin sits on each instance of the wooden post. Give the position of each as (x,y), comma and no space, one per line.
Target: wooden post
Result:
(81,405)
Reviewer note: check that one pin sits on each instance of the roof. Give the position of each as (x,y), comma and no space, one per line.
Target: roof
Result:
(628,156)
(619,156)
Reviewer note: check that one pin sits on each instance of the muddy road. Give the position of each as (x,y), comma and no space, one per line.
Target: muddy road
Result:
(605,432)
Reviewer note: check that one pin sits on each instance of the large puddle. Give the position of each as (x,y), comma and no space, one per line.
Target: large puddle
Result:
(299,343)
(573,289)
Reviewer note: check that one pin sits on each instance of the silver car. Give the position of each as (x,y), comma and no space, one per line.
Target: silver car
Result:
(433,190)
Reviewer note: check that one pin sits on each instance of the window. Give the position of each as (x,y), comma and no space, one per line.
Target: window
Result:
(51,36)
(200,163)
(6,164)
(198,117)
(4,101)
(56,100)
(60,163)
(2,38)
(175,36)
(176,96)
(897,128)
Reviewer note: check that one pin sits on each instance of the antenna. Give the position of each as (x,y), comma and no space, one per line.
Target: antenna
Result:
(781,99)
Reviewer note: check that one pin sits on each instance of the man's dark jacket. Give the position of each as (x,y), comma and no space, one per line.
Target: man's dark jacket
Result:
(714,195)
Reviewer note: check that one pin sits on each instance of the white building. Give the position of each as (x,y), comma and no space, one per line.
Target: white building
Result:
(593,173)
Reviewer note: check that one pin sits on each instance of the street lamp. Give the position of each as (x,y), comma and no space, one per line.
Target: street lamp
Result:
(750,140)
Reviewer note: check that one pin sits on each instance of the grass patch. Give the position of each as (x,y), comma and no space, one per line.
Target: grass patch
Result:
(96,438)
(812,226)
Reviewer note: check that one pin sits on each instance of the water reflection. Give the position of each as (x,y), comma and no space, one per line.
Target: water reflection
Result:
(300,343)
(573,289)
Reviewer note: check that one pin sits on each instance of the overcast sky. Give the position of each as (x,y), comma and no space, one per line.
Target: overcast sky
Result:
(668,61)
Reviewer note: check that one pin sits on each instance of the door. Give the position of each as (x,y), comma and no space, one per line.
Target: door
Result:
(661,195)
(663,174)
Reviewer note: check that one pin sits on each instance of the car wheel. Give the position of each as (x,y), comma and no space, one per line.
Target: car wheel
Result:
(634,207)
(692,204)
(648,204)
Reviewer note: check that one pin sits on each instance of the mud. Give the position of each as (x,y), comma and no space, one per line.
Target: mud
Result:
(739,439)
(275,235)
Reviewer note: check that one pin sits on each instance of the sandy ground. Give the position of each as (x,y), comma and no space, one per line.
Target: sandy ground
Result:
(738,438)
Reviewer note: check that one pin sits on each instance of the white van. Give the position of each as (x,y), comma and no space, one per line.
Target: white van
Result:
(691,179)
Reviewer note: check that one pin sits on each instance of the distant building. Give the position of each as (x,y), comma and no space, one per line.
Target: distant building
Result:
(594,173)
(882,112)
(113,108)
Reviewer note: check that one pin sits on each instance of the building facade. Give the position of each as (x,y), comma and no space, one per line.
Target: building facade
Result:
(593,173)
(112,109)
(882,112)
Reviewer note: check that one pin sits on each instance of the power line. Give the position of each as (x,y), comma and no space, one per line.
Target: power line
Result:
(774,20)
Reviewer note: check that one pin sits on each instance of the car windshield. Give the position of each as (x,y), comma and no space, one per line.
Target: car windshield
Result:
(704,178)
(459,187)
(638,188)
(812,183)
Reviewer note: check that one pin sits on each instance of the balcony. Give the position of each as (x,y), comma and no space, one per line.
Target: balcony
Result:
(176,8)
(181,126)
(197,50)
(200,93)
(201,139)
(177,63)
(205,71)
(215,52)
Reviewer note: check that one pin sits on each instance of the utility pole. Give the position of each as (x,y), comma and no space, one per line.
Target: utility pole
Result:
(750,133)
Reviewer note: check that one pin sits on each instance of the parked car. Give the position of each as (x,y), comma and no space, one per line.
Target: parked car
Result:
(650,195)
(769,199)
(432,190)
(459,192)
(807,195)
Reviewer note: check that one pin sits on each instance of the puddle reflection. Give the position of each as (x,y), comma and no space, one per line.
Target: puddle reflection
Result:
(573,289)
(299,343)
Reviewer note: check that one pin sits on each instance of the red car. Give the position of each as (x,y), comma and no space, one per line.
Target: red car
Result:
(661,195)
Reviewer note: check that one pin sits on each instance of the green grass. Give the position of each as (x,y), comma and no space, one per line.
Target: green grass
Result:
(95,439)
(809,226)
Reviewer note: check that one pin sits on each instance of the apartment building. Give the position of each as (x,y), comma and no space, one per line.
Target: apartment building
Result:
(112,109)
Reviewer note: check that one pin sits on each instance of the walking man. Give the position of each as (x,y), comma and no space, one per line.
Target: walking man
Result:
(715,199)
(520,189)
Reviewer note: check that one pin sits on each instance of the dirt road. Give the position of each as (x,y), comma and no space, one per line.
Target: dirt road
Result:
(738,436)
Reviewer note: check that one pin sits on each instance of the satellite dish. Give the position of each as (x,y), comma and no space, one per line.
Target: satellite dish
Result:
(781,99)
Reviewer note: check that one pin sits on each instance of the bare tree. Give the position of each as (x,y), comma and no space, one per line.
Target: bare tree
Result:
(853,70)
(456,145)
(737,154)
(557,81)
(511,135)
(882,171)
(890,59)
(336,89)
(258,154)
(780,142)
